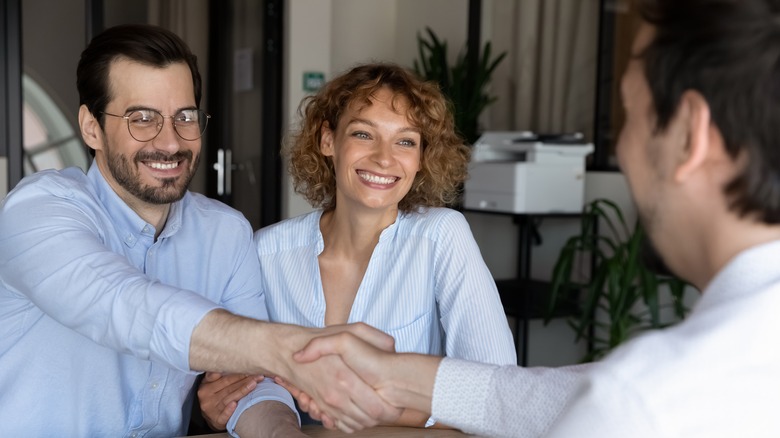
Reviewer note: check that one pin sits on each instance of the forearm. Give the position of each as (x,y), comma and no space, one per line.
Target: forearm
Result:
(228,343)
(268,419)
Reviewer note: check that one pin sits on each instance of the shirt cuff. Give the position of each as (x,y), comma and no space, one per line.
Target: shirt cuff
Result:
(460,393)
(173,327)
(267,390)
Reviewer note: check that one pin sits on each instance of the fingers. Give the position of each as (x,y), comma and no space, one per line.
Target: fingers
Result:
(344,342)
(321,346)
(338,387)
(338,393)
(211,377)
(350,400)
(327,422)
(373,336)
(305,403)
(219,395)
(292,389)
(220,423)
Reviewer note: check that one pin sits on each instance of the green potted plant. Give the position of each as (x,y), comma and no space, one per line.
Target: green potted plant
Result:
(621,296)
(466,91)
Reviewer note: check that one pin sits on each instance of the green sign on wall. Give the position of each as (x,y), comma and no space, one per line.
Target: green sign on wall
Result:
(313,80)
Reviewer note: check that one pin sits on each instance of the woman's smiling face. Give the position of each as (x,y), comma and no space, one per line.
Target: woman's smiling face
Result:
(376,153)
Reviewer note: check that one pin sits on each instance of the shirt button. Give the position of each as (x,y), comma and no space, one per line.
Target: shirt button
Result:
(134,434)
(154,385)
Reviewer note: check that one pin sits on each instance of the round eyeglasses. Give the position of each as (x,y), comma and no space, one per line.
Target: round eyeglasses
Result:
(146,124)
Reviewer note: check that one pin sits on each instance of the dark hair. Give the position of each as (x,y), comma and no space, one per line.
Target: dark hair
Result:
(444,156)
(145,44)
(729,51)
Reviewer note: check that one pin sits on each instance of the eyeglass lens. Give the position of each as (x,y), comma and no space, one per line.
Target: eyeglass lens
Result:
(145,125)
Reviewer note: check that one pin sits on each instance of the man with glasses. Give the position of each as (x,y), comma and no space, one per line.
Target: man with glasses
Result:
(118,286)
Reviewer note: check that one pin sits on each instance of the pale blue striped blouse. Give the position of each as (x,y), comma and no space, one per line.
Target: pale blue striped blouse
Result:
(426,285)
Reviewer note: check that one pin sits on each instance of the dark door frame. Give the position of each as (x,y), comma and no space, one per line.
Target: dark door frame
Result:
(11,88)
(220,101)
(11,67)
(273,59)
(219,90)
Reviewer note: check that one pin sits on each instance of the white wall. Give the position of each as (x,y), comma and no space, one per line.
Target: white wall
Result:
(362,31)
(307,27)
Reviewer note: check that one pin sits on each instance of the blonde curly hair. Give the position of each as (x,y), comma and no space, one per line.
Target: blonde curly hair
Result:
(444,156)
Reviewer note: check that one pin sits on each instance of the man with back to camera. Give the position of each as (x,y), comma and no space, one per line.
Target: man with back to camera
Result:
(700,149)
(116,286)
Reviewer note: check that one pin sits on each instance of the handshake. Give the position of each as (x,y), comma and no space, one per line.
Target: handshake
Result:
(349,377)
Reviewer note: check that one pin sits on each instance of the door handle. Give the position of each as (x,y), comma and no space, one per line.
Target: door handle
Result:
(224,167)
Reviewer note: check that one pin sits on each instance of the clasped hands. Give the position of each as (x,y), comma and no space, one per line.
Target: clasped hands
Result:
(335,377)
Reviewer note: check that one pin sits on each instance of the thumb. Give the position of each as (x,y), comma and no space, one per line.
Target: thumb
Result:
(373,336)
(318,347)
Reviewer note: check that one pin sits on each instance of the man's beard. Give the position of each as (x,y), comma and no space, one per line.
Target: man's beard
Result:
(172,189)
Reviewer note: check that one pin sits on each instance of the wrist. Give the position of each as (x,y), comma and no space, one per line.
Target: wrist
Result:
(411,381)
(281,342)
(229,343)
(268,419)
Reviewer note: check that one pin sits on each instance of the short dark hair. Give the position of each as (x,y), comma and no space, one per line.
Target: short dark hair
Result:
(729,51)
(444,161)
(142,43)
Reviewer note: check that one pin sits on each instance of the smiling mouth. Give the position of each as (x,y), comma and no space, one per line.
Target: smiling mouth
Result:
(376,179)
(164,162)
(163,166)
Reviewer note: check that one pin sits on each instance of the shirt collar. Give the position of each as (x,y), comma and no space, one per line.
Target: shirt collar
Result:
(748,272)
(127,222)
(386,234)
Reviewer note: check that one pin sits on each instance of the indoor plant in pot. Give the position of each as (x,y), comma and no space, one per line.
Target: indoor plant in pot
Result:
(622,295)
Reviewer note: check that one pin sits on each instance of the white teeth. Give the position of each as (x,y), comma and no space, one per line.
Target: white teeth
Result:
(375,179)
(164,166)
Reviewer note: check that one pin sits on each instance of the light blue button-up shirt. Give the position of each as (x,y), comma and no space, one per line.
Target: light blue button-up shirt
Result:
(426,285)
(96,316)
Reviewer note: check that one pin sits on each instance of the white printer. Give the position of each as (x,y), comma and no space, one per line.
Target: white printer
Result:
(523,172)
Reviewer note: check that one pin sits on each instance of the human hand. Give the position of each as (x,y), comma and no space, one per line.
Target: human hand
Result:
(350,346)
(362,356)
(402,380)
(219,395)
(340,397)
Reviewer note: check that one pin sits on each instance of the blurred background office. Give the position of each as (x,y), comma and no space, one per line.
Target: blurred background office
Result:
(259,58)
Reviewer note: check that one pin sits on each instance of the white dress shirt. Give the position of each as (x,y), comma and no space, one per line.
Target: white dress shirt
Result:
(713,375)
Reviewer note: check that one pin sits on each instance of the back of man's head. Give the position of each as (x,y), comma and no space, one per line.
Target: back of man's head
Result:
(729,51)
(146,44)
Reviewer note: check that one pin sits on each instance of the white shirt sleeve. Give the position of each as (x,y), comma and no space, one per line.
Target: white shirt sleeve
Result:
(502,400)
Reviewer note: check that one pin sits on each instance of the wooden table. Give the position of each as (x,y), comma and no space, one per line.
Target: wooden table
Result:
(382,431)
(386,432)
